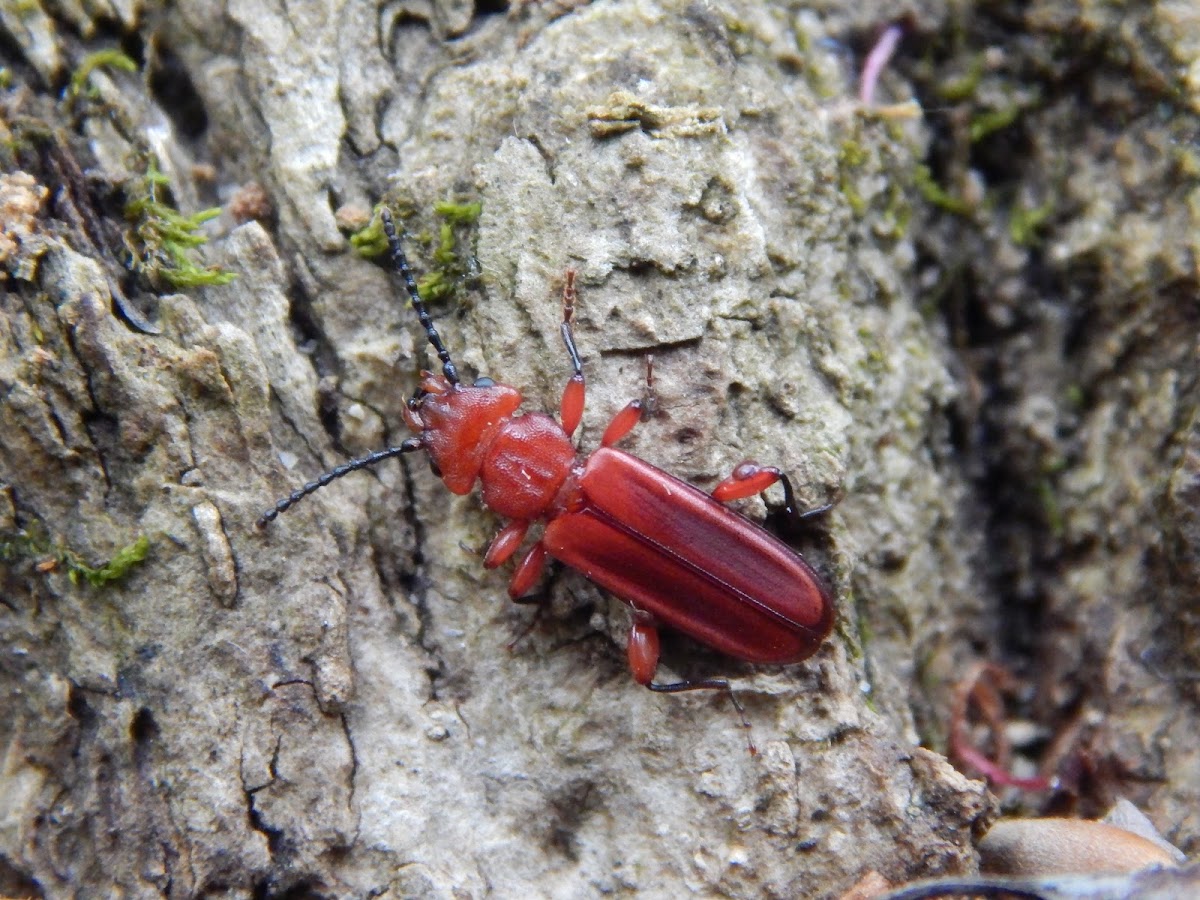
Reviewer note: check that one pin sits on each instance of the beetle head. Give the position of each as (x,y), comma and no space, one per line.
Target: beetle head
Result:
(457,422)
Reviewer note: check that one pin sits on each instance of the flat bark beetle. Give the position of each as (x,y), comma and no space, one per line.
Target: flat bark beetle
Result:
(675,554)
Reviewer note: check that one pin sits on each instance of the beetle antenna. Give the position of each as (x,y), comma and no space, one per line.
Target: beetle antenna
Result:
(401,263)
(354,465)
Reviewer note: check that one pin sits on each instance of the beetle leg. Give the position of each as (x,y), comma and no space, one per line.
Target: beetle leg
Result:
(505,544)
(643,662)
(622,423)
(571,407)
(643,649)
(643,652)
(529,570)
(749,478)
(539,601)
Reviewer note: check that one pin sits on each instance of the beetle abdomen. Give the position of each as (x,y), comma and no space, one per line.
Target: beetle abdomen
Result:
(673,551)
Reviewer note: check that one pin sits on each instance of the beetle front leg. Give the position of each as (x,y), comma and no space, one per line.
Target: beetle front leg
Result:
(528,573)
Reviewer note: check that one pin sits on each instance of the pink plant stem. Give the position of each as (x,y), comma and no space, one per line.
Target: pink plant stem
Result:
(877,60)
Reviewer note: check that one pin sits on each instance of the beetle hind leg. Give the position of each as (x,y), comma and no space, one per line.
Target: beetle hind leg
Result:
(710,684)
(643,663)
(749,478)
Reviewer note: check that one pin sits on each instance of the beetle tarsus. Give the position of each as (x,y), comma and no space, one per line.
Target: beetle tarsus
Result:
(710,684)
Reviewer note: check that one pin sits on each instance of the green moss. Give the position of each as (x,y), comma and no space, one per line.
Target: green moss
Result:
(449,268)
(856,201)
(370,242)
(116,568)
(459,213)
(898,212)
(985,123)
(5,78)
(964,87)
(1053,464)
(936,194)
(101,59)
(439,282)
(1023,224)
(851,155)
(31,544)
(162,239)
(1051,508)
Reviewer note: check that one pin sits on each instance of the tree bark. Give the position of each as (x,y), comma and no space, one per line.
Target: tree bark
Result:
(344,704)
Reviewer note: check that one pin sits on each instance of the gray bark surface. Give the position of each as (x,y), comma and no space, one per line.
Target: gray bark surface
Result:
(330,706)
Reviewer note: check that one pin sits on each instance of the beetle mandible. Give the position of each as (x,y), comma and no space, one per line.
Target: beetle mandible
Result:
(675,554)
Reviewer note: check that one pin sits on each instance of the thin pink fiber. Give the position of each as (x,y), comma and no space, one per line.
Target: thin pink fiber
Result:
(877,60)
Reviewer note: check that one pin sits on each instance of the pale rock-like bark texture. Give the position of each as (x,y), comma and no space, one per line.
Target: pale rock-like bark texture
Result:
(335,706)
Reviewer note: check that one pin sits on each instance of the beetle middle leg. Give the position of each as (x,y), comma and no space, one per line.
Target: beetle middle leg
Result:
(528,572)
(635,411)
(573,396)
(505,544)
(571,407)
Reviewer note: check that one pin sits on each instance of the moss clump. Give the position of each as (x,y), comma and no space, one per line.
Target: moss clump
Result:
(1051,507)
(964,87)
(993,120)
(937,195)
(53,556)
(851,155)
(370,241)
(459,214)
(1023,224)
(101,59)
(451,262)
(161,239)
(451,265)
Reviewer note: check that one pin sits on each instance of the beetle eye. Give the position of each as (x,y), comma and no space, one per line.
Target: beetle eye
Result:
(484,381)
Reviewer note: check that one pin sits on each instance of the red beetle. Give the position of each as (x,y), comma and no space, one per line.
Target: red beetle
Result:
(672,552)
